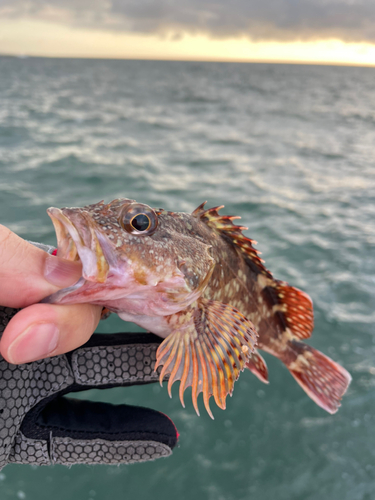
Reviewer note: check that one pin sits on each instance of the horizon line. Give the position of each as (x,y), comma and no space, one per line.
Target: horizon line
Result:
(234,61)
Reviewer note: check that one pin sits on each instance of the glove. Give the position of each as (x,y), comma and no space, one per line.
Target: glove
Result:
(38,425)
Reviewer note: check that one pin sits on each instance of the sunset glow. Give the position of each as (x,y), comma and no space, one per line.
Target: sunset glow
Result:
(22,37)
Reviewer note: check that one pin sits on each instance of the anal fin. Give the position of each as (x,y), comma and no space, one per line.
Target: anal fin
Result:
(208,348)
(258,367)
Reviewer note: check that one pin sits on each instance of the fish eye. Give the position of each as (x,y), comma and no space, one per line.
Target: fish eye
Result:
(138,219)
(141,222)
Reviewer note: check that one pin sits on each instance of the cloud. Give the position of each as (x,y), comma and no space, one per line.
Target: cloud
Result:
(258,20)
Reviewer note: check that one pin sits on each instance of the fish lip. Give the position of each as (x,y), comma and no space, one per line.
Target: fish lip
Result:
(73,245)
(66,244)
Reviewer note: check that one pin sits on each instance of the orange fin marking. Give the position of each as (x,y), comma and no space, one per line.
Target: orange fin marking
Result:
(258,367)
(324,380)
(178,353)
(167,352)
(233,358)
(224,226)
(298,309)
(220,356)
(206,383)
(105,313)
(194,385)
(220,386)
(207,351)
(199,210)
(233,361)
(184,376)
(213,360)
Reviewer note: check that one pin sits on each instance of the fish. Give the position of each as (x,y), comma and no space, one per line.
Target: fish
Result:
(199,283)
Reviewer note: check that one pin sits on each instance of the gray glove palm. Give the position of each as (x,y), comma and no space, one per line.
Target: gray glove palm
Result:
(40,426)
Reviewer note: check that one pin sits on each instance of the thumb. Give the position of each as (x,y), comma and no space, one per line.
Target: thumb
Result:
(28,274)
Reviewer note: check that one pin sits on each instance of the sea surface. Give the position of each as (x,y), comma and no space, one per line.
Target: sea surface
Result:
(291,149)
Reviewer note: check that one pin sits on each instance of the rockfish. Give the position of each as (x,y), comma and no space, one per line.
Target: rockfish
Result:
(198,282)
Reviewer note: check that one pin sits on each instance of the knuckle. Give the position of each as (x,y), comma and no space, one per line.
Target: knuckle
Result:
(13,249)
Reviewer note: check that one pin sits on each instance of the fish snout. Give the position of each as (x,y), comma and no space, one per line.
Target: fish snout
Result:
(77,239)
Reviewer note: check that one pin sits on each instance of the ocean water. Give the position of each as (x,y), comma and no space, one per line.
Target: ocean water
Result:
(291,149)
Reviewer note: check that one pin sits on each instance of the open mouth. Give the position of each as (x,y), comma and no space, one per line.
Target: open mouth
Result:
(78,241)
(66,247)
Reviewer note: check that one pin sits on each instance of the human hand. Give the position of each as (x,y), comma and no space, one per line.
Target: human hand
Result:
(42,427)
(39,425)
(27,275)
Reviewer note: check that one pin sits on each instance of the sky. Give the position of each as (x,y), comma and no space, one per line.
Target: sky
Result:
(312,31)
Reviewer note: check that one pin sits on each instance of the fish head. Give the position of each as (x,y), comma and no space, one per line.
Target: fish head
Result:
(133,257)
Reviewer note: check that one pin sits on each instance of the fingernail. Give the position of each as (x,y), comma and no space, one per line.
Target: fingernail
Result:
(36,342)
(61,272)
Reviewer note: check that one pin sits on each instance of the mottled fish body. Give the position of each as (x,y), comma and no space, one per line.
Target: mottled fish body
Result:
(198,282)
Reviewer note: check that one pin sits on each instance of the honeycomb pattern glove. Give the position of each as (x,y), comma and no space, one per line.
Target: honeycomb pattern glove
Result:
(38,425)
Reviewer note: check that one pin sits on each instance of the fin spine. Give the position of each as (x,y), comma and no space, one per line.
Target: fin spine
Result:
(224,226)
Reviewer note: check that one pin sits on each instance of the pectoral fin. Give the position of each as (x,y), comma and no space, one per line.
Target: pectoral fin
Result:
(210,345)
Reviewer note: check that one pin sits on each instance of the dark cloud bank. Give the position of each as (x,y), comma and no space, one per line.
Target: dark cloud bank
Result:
(348,20)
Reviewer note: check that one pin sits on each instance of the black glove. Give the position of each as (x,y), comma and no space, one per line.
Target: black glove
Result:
(40,426)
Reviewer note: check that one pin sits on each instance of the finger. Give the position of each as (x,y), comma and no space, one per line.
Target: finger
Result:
(44,330)
(28,274)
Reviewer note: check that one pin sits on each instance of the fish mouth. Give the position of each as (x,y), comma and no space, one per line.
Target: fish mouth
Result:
(77,240)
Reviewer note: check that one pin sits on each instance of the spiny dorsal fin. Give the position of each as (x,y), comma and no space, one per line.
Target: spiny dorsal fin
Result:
(224,226)
(293,306)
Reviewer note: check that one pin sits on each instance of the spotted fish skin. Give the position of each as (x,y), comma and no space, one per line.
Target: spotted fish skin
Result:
(197,281)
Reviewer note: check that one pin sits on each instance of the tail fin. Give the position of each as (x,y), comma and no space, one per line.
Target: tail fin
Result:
(319,376)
